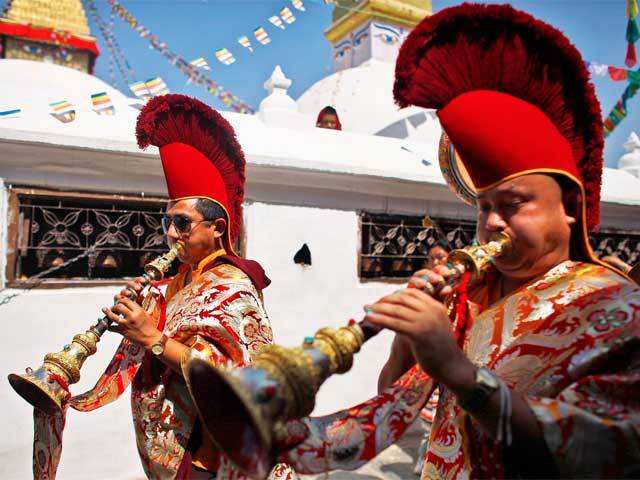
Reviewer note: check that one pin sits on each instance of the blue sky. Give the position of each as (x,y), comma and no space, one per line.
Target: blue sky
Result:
(195,28)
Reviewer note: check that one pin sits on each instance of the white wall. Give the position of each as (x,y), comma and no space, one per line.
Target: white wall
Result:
(4,206)
(101,442)
(328,293)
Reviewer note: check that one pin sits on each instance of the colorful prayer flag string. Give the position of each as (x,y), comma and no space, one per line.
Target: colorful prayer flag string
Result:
(195,74)
(619,111)
(633,34)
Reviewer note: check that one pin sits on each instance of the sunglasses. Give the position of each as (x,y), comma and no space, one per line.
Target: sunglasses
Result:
(182,223)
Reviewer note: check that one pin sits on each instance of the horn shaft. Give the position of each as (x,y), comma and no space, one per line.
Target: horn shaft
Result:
(244,409)
(47,387)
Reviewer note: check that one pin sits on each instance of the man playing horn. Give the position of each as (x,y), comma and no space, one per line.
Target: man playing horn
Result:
(212,307)
(538,367)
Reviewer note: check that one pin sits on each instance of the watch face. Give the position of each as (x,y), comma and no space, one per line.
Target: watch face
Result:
(157,349)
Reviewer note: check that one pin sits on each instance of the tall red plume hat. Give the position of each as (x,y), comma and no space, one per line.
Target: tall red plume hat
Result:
(513,97)
(200,155)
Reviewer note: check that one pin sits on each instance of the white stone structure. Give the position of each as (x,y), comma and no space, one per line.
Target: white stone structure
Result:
(630,161)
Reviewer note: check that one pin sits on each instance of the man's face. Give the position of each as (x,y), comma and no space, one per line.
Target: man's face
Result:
(436,256)
(530,210)
(200,239)
(328,120)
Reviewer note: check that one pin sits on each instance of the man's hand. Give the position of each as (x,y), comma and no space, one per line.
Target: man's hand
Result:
(136,285)
(424,322)
(133,322)
(436,277)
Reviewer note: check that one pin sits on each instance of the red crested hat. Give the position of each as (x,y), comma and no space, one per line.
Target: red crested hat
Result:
(513,97)
(200,155)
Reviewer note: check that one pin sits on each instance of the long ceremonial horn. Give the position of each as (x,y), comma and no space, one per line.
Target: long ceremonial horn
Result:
(48,386)
(244,409)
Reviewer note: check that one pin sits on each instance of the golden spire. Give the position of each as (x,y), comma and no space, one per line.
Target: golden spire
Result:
(350,14)
(64,15)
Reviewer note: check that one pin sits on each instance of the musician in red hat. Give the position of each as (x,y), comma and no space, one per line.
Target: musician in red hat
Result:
(211,308)
(538,367)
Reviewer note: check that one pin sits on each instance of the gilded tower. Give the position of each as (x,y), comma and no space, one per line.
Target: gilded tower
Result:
(365,29)
(54,31)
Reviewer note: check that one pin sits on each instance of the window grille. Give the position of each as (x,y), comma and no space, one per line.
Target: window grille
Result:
(624,245)
(395,246)
(53,227)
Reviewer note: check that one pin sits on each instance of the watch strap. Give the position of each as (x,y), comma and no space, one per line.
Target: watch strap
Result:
(482,391)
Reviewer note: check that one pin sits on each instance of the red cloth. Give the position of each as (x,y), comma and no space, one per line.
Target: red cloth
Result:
(48,35)
(251,268)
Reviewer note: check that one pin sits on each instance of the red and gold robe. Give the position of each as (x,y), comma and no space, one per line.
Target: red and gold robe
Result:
(220,315)
(568,342)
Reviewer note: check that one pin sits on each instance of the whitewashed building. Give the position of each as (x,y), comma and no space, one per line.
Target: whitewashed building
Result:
(354,197)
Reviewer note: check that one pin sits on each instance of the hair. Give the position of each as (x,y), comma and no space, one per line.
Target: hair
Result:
(329,110)
(441,244)
(496,47)
(210,210)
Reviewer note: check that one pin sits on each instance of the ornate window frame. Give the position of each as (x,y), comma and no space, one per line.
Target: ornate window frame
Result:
(16,235)
(391,247)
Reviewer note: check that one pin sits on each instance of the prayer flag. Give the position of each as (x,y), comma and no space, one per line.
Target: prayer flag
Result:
(277,22)
(140,90)
(10,113)
(246,43)
(225,56)
(157,87)
(597,69)
(298,4)
(633,33)
(262,36)
(63,111)
(102,104)
(287,15)
(200,63)
(617,74)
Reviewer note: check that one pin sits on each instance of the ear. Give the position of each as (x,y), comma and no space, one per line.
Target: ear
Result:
(220,227)
(572,201)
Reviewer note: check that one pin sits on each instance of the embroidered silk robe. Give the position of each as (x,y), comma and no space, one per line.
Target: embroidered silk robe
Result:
(220,315)
(569,342)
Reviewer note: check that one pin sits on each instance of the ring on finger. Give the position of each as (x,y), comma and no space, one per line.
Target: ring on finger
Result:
(429,289)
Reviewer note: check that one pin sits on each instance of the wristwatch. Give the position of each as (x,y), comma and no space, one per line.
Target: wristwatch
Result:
(158,348)
(486,385)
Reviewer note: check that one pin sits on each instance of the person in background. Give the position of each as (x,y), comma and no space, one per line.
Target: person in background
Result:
(437,255)
(328,118)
